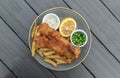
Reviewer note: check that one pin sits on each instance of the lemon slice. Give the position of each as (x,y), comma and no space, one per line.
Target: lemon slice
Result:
(67,26)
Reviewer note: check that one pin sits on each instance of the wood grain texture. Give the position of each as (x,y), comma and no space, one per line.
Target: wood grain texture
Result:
(101,21)
(4,72)
(101,63)
(114,6)
(18,15)
(78,72)
(42,5)
(18,57)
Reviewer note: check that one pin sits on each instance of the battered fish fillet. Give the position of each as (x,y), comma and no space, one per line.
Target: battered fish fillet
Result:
(52,39)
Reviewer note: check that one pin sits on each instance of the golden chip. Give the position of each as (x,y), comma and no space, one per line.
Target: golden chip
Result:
(51,62)
(33,49)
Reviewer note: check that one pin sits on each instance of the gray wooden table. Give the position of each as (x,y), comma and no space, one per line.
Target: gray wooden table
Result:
(103,16)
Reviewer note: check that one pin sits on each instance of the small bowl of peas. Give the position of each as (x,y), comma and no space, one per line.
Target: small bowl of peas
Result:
(79,38)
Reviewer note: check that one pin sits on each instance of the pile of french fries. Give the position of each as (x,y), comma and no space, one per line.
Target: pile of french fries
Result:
(49,55)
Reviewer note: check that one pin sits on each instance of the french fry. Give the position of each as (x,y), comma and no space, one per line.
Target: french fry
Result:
(37,47)
(53,56)
(51,62)
(49,53)
(65,59)
(68,61)
(44,49)
(36,32)
(34,27)
(60,61)
(41,54)
(33,49)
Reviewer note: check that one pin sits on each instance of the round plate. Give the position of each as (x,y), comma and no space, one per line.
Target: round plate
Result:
(81,24)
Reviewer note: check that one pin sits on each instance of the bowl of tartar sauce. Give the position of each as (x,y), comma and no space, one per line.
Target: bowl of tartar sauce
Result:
(52,20)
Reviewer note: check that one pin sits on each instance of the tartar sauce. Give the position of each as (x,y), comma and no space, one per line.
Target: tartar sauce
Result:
(52,20)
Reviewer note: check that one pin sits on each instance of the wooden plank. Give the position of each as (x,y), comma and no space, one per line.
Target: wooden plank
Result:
(4,72)
(18,15)
(18,57)
(114,6)
(78,72)
(102,23)
(42,5)
(101,63)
